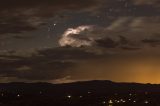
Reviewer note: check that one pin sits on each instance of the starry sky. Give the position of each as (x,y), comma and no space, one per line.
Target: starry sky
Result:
(61,41)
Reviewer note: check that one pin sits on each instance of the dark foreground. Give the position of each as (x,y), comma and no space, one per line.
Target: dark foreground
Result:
(91,93)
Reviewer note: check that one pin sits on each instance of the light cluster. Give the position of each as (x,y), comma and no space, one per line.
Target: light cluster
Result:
(107,99)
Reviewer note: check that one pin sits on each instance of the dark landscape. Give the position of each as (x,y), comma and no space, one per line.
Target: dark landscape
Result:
(89,93)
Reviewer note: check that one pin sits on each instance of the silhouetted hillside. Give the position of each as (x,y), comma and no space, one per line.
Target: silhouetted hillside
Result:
(96,86)
(89,93)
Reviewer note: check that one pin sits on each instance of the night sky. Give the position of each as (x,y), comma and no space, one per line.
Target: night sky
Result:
(60,41)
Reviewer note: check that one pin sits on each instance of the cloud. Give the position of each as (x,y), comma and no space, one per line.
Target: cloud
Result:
(47,65)
(23,68)
(63,80)
(66,64)
(137,68)
(152,42)
(123,33)
(133,28)
(107,43)
(122,43)
(27,15)
(119,23)
(130,48)
(128,32)
(147,2)
(76,37)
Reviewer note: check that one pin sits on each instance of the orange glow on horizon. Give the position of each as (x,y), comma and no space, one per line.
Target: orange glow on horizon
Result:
(125,70)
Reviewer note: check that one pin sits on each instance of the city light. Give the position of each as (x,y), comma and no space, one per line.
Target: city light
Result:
(69,96)
(110,101)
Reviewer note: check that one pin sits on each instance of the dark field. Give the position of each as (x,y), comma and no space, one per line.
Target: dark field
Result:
(92,93)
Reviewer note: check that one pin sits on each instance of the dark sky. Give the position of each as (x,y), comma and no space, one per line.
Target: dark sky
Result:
(62,41)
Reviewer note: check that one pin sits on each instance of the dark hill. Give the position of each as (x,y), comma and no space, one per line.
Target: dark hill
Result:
(88,93)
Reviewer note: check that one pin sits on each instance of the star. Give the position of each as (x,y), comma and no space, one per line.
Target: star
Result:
(54,24)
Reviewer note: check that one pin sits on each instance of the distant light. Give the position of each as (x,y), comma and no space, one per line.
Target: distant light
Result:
(146,102)
(18,95)
(118,101)
(104,102)
(134,101)
(2,94)
(80,96)
(89,92)
(69,96)
(40,92)
(123,101)
(110,101)
(130,94)
(129,99)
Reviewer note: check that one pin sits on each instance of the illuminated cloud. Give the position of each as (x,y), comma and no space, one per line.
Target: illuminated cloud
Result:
(120,33)
(63,80)
(69,37)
